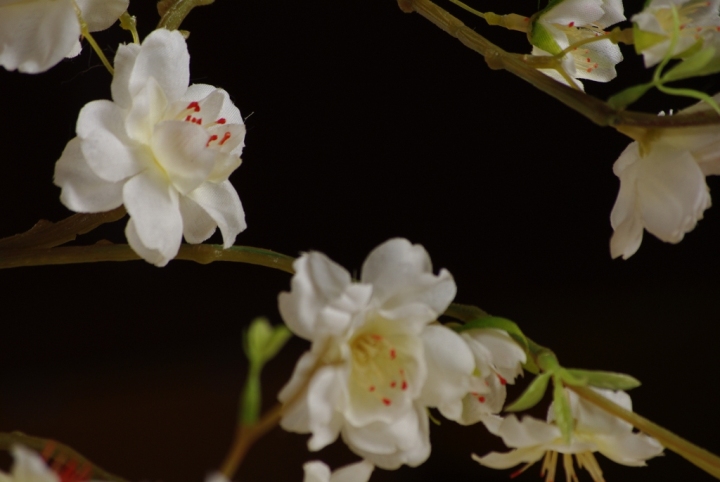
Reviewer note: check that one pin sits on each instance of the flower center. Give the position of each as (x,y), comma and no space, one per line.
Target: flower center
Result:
(193,113)
(378,367)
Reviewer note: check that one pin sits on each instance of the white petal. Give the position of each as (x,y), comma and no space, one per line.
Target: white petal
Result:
(496,460)
(613,13)
(30,467)
(36,35)
(197,224)
(179,147)
(450,365)
(296,417)
(108,151)
(83,191)
(101,14)
(591,418)
(124,63)
(528,432)
(631,449)
(596,61)
(155,214)
(148,107)
(316,471)
(164,57)
(357,472)
(222,204)
(216,477)
(579,12)
(323,397)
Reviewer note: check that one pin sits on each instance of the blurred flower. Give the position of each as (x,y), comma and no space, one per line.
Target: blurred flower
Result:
(595,430)
(37,34)
(161,148)
(28,467)
(316,471)
(662,184)
(376,362)
(571,21)
(654,27)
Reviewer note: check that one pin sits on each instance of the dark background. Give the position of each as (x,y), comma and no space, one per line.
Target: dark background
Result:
(366,124)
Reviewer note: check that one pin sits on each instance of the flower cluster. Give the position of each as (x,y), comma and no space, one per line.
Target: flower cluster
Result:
(595,430)
(161,148)
(378,359)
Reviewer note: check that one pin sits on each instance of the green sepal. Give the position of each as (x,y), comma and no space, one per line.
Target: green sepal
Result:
(600,379)
(541,38)
(696,65)
(532,394)
(569,377)
(561,409)
(628,96)
(643,39)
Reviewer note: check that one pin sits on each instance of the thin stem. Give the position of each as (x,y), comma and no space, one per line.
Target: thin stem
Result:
(582,42)
(86,33)
(525,67)
(174,14)
(8,439)
(468,8)
(200,253)
(698,456)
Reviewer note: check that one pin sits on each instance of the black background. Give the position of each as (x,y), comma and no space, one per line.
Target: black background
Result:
(366,123)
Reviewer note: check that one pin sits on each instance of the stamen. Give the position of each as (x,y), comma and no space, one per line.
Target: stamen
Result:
(521,470)
(220,120)
(570,475)
(386,401)
(194,106)
(212,138)
(226,136)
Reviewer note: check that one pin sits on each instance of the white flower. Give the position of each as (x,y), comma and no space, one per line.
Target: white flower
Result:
(498,361)
(28,467)
(595,430)
(572,21)
(316,471)
(699,21)
(161,148)
(376,361)
(662,185)
(37,34)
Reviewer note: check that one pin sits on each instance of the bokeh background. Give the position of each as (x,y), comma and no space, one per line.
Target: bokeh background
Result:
(364,124)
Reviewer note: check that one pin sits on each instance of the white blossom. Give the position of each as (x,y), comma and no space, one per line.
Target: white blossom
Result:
(498,361)
(595,430)
(316,471)
(655,26)
(662,185)
(28,466)
(571,21)
(37,34)
(161,148)
(376,360)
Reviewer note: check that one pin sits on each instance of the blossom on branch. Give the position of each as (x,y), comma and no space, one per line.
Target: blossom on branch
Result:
(568,22)
(595,430)
(316,471)
(377,361)
(28,467)
(37,34)
(698,21)
(662,184)
(161,148)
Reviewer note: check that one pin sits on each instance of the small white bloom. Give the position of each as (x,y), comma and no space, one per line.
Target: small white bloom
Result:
(662,185)
(316,471)
(161,148)
(655,26)
(595,430)
(498,361)
(28,467)
(572,21)
(376,361)
(37,34)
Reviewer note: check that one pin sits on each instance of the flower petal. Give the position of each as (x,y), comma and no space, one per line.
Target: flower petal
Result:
(164,57)
(496,460)
(316,471)
(197,224)
(30,467)
(82,190)
(631,449)
(148,107)
(101,14)
(323,396)
(222,204)
(357,472)
(120,86)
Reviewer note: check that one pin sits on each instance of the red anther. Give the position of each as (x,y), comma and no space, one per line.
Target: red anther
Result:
(502,380)
(588,59)
(699,29)
(393,354)
(404,385)
(393,384)
(589,70)
(194,106)
(188,119)
(372,388)
(212,138)
(571,24)
(481,399)
(376,337)
(221,121)
(386,401)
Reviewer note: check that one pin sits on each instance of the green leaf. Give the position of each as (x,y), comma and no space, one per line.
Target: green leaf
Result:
(600,379)
(541,38)
(561,409)
(532,394)
(626,97)
(699,64)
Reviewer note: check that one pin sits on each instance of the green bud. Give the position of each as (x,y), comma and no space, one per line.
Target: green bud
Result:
(628,96)
(599,379)
(702,62)
(532,394)
(263,342)
(561,409)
